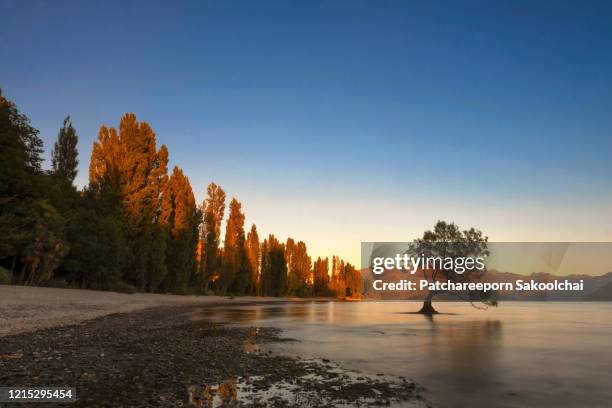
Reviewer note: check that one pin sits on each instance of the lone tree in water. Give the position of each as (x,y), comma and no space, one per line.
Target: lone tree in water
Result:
(451,246)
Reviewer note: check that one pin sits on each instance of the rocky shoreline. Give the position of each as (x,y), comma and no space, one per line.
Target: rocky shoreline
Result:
(161,357)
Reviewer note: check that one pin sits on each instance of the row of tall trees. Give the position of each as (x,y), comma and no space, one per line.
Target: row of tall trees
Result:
(135,227)
(244,265)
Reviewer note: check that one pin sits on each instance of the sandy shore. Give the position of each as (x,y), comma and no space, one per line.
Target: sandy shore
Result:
(26,308)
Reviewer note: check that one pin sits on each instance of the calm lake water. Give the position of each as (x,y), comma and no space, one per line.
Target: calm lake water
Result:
(520,354)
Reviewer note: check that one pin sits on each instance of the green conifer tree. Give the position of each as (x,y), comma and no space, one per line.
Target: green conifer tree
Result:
(64,157)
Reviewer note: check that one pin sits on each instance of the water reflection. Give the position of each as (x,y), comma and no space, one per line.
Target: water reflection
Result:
(466,353)
(517,355)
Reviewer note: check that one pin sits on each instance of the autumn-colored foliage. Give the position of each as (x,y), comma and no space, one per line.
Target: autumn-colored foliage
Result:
(181,218)
(127,161)
(134,227)
(236,269)
(254,254)
(213,209)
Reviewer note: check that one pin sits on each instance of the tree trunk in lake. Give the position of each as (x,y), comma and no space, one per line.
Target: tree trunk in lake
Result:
(427,308)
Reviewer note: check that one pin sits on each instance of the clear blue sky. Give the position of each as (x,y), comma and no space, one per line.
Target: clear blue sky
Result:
(336,122)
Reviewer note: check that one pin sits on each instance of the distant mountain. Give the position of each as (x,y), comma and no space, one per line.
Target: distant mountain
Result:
(591,284)
(603,293)
(595,287)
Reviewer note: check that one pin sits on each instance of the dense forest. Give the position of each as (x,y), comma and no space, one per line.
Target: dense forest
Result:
(135,227)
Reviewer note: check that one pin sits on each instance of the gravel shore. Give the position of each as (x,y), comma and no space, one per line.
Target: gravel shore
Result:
(162,357)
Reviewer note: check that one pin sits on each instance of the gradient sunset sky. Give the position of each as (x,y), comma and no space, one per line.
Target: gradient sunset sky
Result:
(341,122)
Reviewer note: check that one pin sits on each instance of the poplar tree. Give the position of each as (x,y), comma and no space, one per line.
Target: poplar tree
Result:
(180,216)
(253,252)
(264,281)
(213,209)
(321,277)
(298,268)
(273,268)
(337,282)
(64,157)
(353,281)
(127,161)
(235,273)
(65,197)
